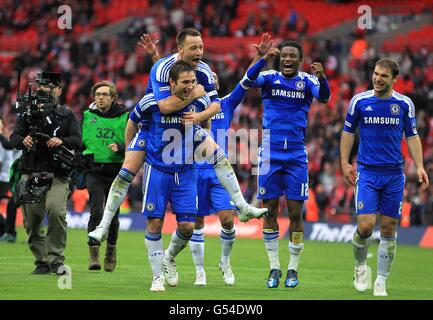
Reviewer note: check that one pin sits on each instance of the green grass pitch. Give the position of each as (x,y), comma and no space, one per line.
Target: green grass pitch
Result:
(326,271)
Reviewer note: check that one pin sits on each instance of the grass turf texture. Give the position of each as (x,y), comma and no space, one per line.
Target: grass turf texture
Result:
(326,271)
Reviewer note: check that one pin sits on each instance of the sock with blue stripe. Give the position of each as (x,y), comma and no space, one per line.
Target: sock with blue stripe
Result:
(227,177)
(119,189)
(270,237)
(196,246)
(177,244)
(155,251)
(227,237)
(360,247)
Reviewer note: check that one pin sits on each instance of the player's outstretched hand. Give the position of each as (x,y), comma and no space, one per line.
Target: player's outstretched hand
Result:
(349,174)
(422,178)
(272,52)
(317,69)
(148,45)
(264,45)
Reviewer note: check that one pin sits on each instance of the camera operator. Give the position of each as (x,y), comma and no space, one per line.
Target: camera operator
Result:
(63,129)
(103,129)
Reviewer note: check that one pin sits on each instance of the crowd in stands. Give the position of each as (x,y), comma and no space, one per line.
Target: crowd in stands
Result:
(84,60)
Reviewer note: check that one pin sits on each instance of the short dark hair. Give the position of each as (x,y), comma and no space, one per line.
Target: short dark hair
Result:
(177,68)
(291,43)
(391,64)
(181,36)
(105,83)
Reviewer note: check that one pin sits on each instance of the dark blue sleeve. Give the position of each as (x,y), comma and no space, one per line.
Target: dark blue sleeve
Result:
(319,88)
(324,91)
(249,80)
(235,97)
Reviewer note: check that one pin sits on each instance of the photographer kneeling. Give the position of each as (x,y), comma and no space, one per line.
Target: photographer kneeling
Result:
(42,128)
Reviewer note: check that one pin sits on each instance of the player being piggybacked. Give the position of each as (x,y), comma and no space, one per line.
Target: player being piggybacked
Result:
(169,175)
(190,50)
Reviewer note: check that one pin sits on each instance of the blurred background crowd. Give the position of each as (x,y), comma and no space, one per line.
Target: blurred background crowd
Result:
(102,44)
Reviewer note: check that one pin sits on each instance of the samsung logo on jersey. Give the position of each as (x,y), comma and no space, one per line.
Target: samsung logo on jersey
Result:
(218,116)
(288,94)
(381,120)
(171,119)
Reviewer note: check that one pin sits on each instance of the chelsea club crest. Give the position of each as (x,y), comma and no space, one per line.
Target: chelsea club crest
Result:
(141,143)
(395,109)
(150,206)
(300,85)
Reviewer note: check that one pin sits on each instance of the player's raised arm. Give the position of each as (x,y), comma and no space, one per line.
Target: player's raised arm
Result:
(238,94)
(151,47)
(323,93)
(253,78)
(262,48)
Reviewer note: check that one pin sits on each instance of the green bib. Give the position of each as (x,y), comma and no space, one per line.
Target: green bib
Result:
(99,132)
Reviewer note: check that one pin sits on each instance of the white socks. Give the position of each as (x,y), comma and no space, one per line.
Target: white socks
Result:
(119,189)
(385,256)
(155,251)
(270,237)
(360,247)
(227,240)
(226,175)
(177,244)
(196,245)
(295,254)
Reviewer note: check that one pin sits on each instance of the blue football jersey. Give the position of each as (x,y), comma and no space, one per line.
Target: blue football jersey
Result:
(381,124)
(159,76)
(222,120)
(170,143)
(139,115)
(286,104)
(220,123)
